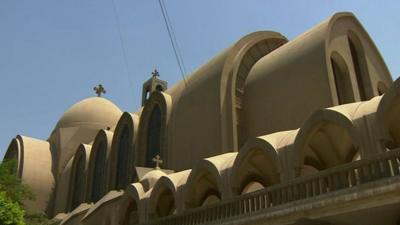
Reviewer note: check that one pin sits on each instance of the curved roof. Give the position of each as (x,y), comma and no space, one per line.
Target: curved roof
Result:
(151,178)
(91,112)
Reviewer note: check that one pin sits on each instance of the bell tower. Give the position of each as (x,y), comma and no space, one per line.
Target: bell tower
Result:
(153,84)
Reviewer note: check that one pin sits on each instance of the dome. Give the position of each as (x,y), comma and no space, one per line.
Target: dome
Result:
(94,112)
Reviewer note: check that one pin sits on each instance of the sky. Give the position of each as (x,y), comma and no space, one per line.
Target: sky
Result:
(52,53)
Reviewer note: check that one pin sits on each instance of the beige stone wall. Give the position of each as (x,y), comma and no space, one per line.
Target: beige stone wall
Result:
(262,113)
(285,87)
(35,170)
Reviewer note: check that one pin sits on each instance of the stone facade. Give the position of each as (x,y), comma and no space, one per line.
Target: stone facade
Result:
(270,131)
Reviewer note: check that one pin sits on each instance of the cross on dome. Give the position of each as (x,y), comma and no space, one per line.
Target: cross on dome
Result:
(99,89)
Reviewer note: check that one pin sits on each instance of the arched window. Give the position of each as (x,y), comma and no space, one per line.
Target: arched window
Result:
(78,182)
(99,173)
(122,159)
(342,79)
(360,65)
(153,136)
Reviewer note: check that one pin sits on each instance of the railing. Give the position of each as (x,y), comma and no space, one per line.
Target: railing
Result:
(341,177)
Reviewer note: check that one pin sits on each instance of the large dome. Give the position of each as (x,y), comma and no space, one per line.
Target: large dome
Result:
(94,112)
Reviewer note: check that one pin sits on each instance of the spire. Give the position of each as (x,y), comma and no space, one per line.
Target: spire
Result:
(153,84)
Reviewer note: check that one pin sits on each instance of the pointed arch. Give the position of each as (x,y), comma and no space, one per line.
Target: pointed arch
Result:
(327,139)
(208,180)
(162,201)
(97,170)
(257,163)
(28,153)
(342,79)
(240,59)
(77,184)
(156,113)
(166,195)
(131,204)
(360,66)
(122,157)
(366,64)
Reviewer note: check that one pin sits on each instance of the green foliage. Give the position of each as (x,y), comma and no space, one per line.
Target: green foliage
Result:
(11,184)
(10,212)
(12,193)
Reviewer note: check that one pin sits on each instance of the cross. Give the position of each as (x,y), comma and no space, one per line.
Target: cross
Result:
(99,89)
(155,73)
(158,161)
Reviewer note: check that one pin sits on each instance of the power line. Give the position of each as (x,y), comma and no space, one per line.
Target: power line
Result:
(120,36)
(172,38)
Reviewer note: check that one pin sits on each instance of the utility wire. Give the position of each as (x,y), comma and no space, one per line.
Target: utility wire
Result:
(172,38)
(120,36)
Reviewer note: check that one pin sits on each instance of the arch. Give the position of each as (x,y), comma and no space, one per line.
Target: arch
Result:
(208,178)
(77,183)
(153,136)
(122,156)
(166,195)
(242,56)
(258,162)
(14,153)
(28,153)
(387,116)
(159,104)
(97,172)
(363,57)
(360,65)
(327,139)
(162,200)
(342,80)
(150,179)
(132,206)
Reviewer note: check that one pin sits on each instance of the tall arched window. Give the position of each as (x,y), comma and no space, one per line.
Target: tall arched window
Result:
(153,136)
(360,64)
(78,181)
(99,173)
(122,160)
(342,79)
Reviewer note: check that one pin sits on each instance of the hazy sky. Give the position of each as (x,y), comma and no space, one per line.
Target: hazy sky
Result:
(52,53)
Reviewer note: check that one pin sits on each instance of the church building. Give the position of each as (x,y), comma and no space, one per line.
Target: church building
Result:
(269,131)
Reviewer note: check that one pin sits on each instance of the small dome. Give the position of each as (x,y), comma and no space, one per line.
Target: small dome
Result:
(94,112)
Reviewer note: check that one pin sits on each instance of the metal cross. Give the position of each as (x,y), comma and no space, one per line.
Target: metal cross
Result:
(155,73)
(158,161)
(99,89)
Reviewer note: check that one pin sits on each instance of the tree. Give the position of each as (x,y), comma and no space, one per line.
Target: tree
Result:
(13,193)
(12,185)
(10,212)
